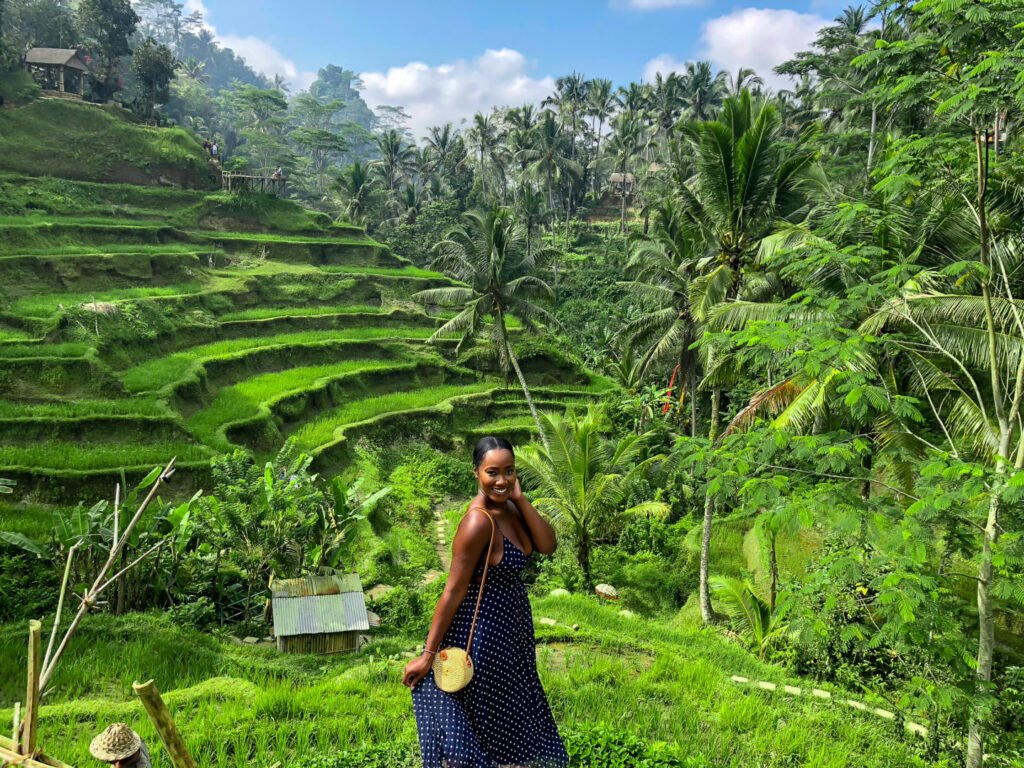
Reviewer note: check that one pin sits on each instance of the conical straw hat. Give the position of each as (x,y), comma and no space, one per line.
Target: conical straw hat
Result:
(116,743)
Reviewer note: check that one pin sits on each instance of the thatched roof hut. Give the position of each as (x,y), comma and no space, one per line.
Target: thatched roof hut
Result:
(49,66)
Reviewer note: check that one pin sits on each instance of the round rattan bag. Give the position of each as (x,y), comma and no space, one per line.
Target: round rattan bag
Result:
(453,669)
(453,666)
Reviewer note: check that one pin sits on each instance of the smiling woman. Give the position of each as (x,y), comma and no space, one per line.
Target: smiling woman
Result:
(501,717)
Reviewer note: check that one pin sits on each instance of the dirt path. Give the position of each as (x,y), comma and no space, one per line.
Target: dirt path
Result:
(440,544)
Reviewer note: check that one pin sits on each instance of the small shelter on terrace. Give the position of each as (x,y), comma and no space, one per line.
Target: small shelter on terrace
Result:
(318,614)
(622,183)
(55,69)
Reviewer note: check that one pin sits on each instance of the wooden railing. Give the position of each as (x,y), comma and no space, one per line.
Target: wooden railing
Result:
(277,185)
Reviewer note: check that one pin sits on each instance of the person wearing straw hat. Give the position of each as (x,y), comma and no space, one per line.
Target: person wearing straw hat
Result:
(122,747)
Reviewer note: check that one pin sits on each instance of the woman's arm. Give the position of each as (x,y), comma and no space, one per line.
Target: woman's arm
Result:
(471,540)
(540,530)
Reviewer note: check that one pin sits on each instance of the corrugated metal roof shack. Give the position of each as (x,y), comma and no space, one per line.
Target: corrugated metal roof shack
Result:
(318,614)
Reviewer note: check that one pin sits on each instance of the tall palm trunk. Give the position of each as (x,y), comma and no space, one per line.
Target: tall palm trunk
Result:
(500,320)
(707,613)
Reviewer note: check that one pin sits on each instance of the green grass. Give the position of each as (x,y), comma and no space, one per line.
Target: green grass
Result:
(653,680)
(51,455)
(88,142)
(50,304)
(79,409)
(248,398)
(327,427)
(162,372)
(269,313)
(65,349)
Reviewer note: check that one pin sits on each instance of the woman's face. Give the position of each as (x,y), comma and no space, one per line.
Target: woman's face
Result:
(497,474)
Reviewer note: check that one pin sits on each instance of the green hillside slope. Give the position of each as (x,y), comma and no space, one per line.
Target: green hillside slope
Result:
(76,140)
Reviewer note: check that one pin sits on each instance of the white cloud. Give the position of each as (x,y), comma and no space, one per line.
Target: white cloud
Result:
(434,95)
(267,60)
(259,54)
(759,38)
(662,65)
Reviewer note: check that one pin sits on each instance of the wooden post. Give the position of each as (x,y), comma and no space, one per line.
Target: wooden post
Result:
(60,78)
(30,728)
(164,724)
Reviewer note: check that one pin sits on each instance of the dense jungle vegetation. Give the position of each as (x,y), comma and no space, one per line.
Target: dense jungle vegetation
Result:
(762,352)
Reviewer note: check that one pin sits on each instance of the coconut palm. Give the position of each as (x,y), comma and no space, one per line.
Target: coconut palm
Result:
(667,101)
(702,90)
(488,254)
(744,79)
(397,157)
(746,180)
(583,478)
(624,144)
(570,98)
(483,139)
(548,159)
(529,206)
(663,267)
(601,103)
(356,186)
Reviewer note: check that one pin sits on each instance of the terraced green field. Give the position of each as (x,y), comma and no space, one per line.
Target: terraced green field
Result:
(138,324)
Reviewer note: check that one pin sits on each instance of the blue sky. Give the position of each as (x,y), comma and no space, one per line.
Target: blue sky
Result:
(444,59)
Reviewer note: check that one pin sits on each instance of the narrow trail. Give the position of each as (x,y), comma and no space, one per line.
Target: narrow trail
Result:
(440,544)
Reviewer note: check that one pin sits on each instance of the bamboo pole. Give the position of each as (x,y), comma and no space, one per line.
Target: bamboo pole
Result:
(93,594)
(30,732)
(10,756)
(17,719)
(164,724)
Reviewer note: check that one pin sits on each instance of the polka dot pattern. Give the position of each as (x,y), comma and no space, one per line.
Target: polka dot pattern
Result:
(502,717)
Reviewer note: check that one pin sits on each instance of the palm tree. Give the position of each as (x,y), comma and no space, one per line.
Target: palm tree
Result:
(636,98)
(663,267)
(746,180)
(627,136)
(194,69)
(488,254)
(745,78)
(397,157)
(529,205)
(601,103)
(667,101)
(702,90)
(483,138)
(549,159)
(582,480)
(281,84)
(570,98)
(356,186)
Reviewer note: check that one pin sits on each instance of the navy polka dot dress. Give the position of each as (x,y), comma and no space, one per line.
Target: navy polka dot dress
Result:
(502,717)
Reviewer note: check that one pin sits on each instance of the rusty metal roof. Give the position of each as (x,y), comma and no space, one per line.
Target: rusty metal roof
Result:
(317,605)
(317,585)
(322,614)
(55,56)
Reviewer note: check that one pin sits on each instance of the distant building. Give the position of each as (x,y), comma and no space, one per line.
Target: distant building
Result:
(55,69)
(318,614)
(622,183)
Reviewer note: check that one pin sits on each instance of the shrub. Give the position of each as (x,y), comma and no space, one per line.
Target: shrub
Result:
(199,613)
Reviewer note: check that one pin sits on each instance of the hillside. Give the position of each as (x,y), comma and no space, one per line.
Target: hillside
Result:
(89,142)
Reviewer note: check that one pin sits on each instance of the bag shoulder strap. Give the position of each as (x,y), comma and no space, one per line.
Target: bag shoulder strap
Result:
(483,578)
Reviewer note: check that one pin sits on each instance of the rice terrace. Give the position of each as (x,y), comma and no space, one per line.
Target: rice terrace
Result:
(723,337)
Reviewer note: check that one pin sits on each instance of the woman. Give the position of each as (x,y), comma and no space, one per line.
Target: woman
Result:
(502,717)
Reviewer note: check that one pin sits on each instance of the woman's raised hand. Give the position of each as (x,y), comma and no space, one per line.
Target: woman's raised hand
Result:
(517,492)
(416,670)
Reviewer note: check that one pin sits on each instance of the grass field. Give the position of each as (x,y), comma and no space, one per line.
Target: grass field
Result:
(327,427)
(246,399)
(613,680)
(154,375)
(52,455)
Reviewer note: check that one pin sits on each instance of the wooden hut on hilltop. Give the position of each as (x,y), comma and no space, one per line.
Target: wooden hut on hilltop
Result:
(57,68)
(318,614)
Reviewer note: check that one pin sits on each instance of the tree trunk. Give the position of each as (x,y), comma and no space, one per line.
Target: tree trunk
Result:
(583,556)
(986,618)
(871,141)
(622,225)
(522,382)
(773,574)
(707,613)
